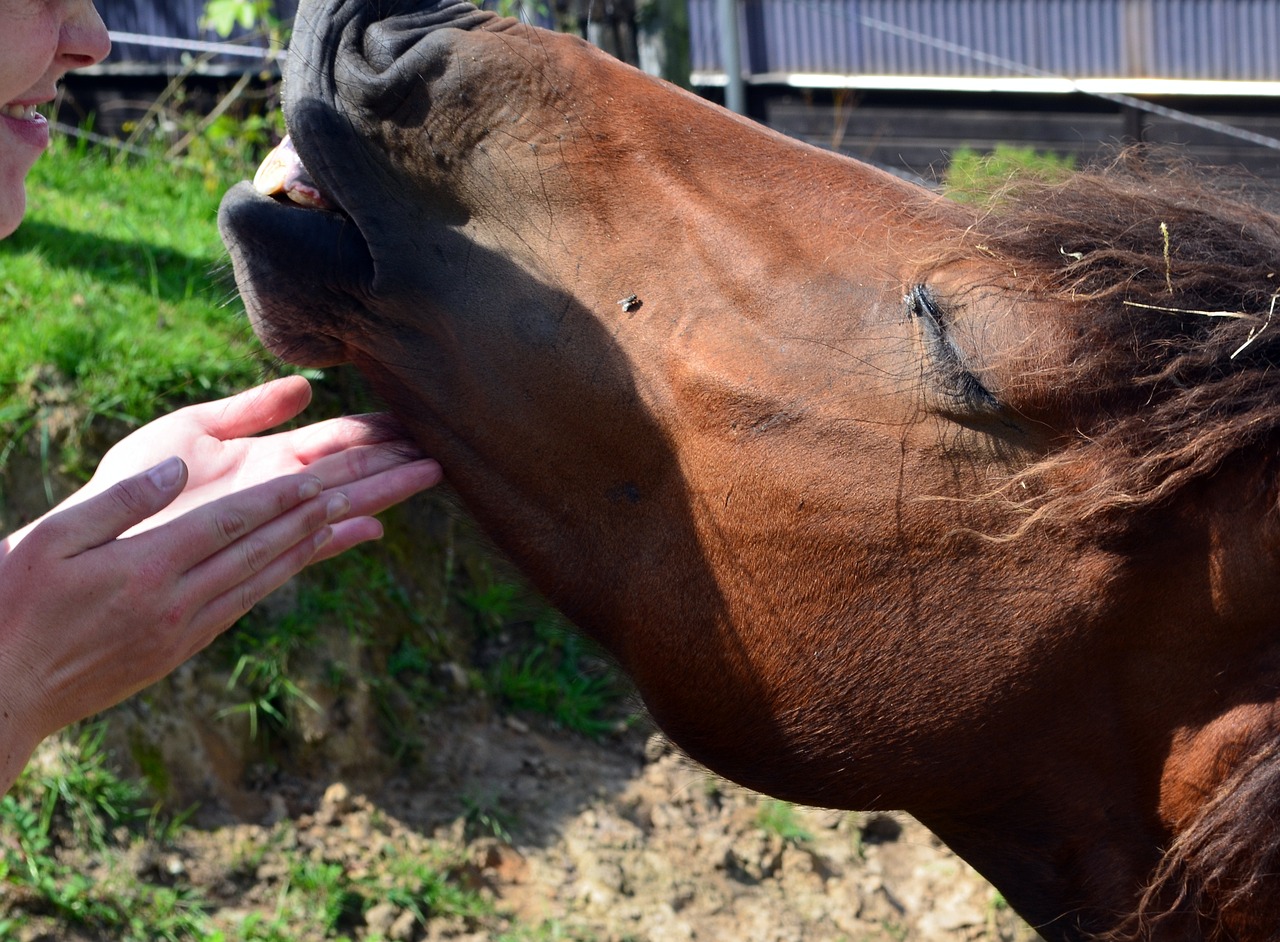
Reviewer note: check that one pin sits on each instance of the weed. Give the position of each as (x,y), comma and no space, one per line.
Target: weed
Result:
(484,816)
(72,787)
(425,888)
(780,818)
(857,837)
(264,679)
(492,605)
(550,931)
(321,899)
(330,895)
(354,592)
(549,679)
(409,661)
(74,791)
(895,930)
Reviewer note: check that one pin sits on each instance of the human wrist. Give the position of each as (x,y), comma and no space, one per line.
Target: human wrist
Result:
(19,736)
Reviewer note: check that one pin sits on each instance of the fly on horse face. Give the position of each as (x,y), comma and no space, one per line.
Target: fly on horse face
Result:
(882,500)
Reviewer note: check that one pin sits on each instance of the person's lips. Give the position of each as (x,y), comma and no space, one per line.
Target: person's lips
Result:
(26,123)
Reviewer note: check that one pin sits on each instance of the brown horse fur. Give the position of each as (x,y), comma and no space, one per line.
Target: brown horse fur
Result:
(882,500)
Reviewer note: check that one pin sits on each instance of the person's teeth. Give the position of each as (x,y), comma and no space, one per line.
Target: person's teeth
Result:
(21,112)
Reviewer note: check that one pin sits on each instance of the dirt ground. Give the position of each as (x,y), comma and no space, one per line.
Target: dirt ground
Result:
(620,840)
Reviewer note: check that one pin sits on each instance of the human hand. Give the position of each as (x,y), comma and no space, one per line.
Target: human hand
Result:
(86,618)
(142,568)
(358,455)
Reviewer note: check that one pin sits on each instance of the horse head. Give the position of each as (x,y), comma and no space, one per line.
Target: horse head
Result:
(883,500)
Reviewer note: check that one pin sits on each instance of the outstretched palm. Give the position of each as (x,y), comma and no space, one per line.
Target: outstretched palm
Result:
(225,453)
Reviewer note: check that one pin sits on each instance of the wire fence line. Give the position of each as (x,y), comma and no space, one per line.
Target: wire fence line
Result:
(198,45)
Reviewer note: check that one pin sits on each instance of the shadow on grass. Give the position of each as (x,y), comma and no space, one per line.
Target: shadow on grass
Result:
(169,274)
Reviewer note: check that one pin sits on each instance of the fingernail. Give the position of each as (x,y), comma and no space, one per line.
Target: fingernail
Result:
(309,488)
(166,473)
(322,536)
(337,506)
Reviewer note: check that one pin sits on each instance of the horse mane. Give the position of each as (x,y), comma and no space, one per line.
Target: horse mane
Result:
(1176,276)
(1217,879)
(1175,373)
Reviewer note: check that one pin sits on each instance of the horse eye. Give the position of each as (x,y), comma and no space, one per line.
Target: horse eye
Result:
(956,381)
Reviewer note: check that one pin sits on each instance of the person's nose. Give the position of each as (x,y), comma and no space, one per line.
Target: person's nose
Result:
(83,40)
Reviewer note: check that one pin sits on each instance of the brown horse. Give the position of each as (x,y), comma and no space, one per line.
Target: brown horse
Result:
(883,501)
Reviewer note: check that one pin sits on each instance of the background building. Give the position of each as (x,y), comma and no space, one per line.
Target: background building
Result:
(902,83)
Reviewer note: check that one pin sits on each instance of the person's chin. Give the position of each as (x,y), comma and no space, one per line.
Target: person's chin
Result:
(14,167)
(13,204)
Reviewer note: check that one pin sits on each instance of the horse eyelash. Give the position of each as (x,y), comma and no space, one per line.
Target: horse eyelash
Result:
(959,382)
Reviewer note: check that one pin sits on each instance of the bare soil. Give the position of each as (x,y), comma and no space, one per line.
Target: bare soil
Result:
(625,840)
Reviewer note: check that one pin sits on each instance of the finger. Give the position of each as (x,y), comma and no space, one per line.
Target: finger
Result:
(226,608)
(373,495)
(255,410)
(348,533)
(209,529)
(103,517)
(334,436)
(357,463)
(257,550)
(376,492)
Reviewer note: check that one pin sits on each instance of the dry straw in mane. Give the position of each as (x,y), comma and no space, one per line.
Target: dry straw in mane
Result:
(1177,279)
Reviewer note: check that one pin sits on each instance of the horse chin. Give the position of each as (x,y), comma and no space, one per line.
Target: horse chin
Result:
(299,349)
(298,270)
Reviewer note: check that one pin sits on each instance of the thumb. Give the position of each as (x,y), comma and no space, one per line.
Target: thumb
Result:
(104,516)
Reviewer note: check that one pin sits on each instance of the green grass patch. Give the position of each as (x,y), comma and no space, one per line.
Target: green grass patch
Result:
(560,676)
(67,828)
(781,818)
(973,177)
(113,294)
(321,899)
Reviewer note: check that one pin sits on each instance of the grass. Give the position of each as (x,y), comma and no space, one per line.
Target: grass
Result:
(781,818)
(559,676)
(321,899)
(69,802)
(972,177)
(69,798)
(484,816)
(112,299)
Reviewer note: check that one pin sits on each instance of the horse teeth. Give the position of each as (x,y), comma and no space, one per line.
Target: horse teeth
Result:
(305,195)
(283,174)
(271,175)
